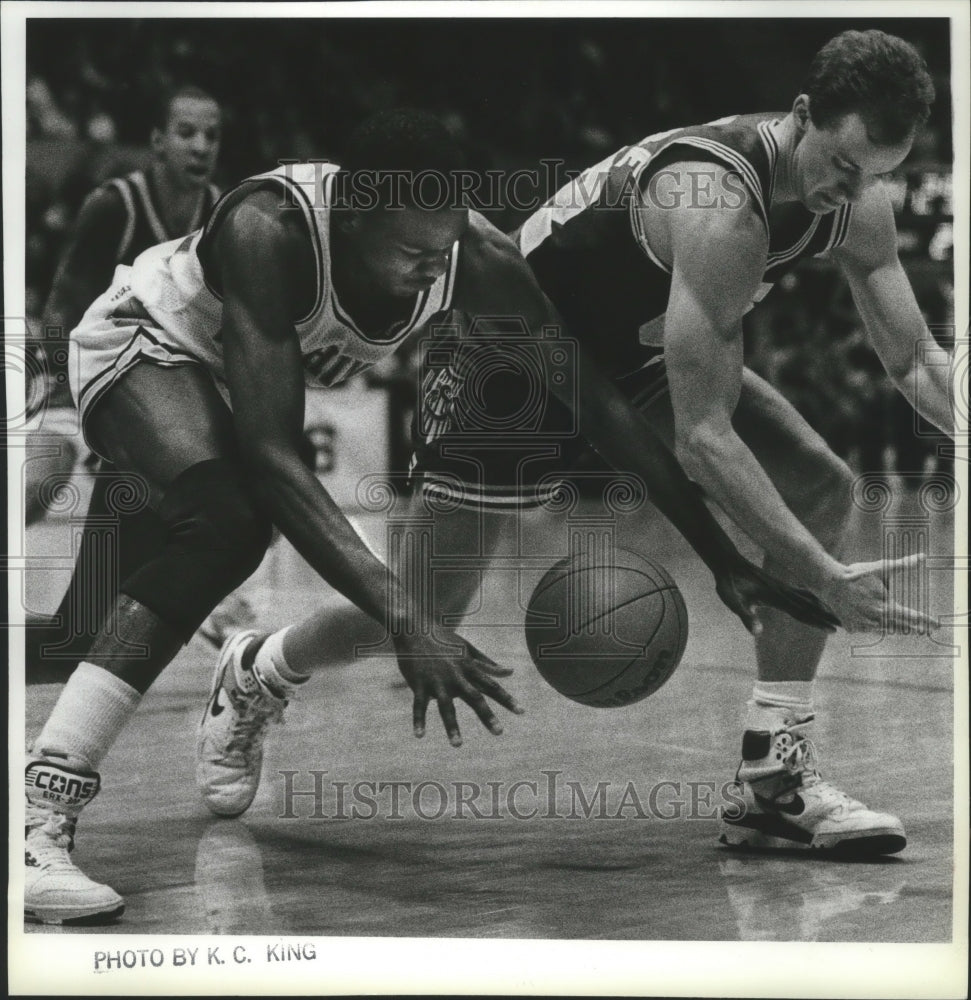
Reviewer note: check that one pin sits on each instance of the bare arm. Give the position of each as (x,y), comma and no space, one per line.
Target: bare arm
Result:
(87,263)
(497,281)
(718,258)
(886,302)
(259,255)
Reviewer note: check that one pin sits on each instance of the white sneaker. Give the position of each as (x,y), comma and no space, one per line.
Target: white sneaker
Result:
(230,744)
(55,891)
(232,614)
(787,805)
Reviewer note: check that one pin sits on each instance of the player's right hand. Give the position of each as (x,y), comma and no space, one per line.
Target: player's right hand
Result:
(434,673)
(860,596)
(742,586)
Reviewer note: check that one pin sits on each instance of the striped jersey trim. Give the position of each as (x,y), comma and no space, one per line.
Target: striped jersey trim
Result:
(840,227)
(780,257)
(124,189)
(735,159)
(771,147)
(140,185)
(126,357)
(491,497)
(424,308)
(640,236)
(308,212)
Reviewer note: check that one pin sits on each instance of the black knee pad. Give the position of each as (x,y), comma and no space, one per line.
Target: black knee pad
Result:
(215,538)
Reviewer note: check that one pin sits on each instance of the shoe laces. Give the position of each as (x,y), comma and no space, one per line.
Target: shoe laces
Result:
(803,760)
(253,713)
(51,850)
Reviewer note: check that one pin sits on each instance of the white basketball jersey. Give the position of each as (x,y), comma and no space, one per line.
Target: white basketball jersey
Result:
(168,279)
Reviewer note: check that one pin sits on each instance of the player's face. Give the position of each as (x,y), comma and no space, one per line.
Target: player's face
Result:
(189,145)
(405,250)
(836,164)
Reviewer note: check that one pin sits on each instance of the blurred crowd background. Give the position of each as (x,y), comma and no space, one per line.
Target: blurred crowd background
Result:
(517,91)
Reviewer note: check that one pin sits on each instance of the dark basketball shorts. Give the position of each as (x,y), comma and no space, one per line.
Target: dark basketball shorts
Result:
(502,444)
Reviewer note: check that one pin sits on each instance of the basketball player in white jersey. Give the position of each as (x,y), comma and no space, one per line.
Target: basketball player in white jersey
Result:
(116,222)
(191,375)
(663,247)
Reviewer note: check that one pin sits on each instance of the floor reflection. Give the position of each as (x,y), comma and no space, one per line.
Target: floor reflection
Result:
(798,898)
(230,881)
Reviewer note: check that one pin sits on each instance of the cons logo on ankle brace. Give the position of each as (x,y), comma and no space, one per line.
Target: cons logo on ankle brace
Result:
(60,784)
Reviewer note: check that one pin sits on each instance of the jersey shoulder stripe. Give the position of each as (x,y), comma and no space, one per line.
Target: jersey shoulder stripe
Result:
(295,187)
(139,183)
(123,187)
(735,160)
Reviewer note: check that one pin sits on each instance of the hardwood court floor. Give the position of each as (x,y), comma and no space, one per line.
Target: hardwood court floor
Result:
(884,733)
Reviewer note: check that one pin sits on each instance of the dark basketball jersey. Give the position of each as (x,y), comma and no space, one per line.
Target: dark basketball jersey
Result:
(590,256)
(144,227)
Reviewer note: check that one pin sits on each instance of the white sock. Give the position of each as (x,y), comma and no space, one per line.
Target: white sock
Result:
(775,701)
(272,669)
(92,710)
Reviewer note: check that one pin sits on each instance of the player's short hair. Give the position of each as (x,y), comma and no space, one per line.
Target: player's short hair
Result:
(162,107)
(879,76)
(403,157)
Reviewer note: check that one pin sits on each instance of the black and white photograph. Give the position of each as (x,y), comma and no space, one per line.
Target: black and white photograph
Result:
(487,498)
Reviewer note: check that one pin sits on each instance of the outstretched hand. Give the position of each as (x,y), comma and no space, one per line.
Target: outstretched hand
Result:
(743,587)
(862,599)
(432,672)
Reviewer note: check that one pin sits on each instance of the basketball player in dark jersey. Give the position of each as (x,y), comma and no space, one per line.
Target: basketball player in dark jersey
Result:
(117,221)
(191,375)
(663,247)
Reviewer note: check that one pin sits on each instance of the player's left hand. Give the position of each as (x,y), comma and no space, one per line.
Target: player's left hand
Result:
(743,587)
(434,673)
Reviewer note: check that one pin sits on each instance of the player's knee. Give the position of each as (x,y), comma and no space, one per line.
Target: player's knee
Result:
(243,534)
(209,511)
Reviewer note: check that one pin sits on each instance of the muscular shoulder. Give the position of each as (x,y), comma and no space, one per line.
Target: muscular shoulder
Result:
(489,265)
(702,210)
(871,239)
(103,211)
(256,225)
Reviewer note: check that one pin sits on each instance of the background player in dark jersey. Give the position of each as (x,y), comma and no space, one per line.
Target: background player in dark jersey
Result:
(666,245)
(117,221)
(287,281)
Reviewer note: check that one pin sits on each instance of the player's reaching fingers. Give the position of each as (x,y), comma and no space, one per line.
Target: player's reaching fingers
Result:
(904,563)
(419,708)
(497,693)
(754,623)
(447,711)
(901,615)
(883,568)
(481,708)
(738,603)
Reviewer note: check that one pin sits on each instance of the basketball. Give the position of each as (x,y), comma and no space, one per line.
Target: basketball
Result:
(606,632)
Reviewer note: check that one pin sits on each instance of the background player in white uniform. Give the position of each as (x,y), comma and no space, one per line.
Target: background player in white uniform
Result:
(288,281)
(117,221)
